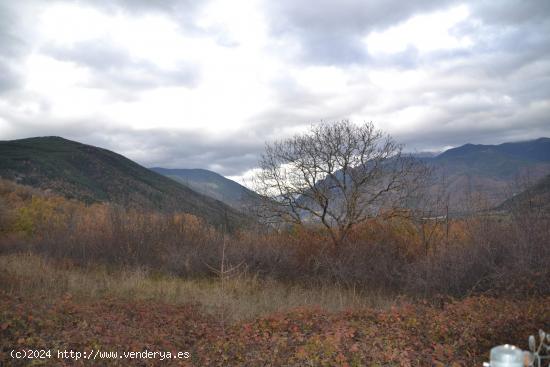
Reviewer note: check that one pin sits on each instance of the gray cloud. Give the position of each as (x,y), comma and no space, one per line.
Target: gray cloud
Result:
(494,129)
(497,90)
(9,78)
(114,68)
(183,12)
(512,12)
(182,9)
(331,32)
(12,47)
(153,147)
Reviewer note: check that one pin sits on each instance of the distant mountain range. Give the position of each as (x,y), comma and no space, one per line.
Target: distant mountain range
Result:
(483,176)
(531,151)
(496,172)
(92,174)
(212,184)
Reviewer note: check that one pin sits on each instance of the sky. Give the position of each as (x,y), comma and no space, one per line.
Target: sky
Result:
(205,84)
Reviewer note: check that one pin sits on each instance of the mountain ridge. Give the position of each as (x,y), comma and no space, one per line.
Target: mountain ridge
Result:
(494,171)
(212,184)
(531,150)
(535,196)
(92,174)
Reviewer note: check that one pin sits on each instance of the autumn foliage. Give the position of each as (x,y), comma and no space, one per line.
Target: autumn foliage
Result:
(419,334)
(473,283)
(480,255)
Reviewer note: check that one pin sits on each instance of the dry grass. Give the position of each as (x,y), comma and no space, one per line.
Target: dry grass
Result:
(244,297)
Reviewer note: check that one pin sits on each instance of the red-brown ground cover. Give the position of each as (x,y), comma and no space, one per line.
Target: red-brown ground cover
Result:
(459,333)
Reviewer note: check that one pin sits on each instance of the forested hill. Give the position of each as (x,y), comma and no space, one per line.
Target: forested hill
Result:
(494,171)
(212,184)
(536,196)
(92,174)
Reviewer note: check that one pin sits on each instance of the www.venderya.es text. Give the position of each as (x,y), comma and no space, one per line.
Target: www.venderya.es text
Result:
(69,354)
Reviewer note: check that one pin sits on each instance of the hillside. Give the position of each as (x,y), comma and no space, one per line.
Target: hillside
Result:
(92,174)
(493,171)
(536,196)
(501,161)
(490,173)
(211,184)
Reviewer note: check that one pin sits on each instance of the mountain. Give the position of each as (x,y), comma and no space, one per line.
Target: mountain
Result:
(497,160)
(534,150)
(92,174)
(482,175)
(494,171)
(536,196)
(212,184)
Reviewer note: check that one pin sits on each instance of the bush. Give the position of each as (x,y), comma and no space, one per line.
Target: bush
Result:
(481,254)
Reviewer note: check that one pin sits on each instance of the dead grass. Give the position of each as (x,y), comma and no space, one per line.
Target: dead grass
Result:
(244,297)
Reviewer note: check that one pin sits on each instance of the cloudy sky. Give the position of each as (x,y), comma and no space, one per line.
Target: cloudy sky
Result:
(203,84)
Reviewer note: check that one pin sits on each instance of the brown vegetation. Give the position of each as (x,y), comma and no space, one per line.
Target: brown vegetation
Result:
(502,255)
(407,335)
(145,280)
(338,175)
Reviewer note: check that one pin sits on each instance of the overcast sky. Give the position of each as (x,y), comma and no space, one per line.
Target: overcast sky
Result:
(203,84)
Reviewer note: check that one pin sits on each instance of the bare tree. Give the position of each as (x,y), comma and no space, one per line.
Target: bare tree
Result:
(4,216)
(224,272)
(337,174)
(431,209)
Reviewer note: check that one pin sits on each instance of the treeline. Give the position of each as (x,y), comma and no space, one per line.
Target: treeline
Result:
(496,254)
